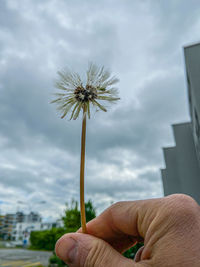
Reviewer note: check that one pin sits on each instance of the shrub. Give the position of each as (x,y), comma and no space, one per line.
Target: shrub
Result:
(55,260)
(45,240)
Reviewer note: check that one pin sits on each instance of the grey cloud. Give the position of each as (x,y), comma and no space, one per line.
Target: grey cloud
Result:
(141,41)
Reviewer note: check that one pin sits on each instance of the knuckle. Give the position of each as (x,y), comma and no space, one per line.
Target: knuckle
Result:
(181,197)
(113,211)
(116,205)
(183,206)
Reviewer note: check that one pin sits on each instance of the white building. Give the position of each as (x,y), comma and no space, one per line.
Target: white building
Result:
(23,230)
(18,226)
(182,172)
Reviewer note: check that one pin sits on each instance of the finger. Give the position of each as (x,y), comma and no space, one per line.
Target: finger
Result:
(118,225)
(138,254)
(82,250)
(120,242)
(126,222)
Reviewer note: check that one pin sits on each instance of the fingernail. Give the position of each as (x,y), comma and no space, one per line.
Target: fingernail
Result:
(66,249)
(138,254)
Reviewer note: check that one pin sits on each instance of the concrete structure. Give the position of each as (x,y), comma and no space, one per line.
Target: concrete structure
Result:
(1,223)
(8,223)
(182,172)
(23,229)
(192,62)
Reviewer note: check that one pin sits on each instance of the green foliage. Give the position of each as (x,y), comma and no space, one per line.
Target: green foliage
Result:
(46,240)
(130,253)
(55,260)
(72,218)
(89,211)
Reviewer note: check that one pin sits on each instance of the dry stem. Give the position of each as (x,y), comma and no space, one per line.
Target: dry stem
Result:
(82,168)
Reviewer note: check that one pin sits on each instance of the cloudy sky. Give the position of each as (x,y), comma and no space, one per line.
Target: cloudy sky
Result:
(141,41)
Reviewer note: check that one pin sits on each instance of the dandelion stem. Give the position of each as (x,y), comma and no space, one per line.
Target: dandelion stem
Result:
(82,169)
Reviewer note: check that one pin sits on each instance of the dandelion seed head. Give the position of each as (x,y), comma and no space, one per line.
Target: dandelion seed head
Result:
(85,94)
(76,96)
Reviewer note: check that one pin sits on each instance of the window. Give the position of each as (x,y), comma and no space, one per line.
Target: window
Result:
(189,89)
(197,124)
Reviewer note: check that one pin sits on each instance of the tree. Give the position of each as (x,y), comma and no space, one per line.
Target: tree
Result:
(45,240)
(90,211)
(72,216)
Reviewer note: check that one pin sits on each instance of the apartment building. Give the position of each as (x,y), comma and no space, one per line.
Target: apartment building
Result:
(182,172)
(192,62)
(8,223)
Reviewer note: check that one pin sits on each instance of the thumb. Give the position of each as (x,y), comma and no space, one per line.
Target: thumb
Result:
(82,250)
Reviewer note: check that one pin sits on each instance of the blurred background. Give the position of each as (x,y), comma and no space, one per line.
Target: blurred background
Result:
(142,44)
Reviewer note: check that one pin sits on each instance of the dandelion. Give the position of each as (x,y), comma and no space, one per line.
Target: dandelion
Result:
(78,96)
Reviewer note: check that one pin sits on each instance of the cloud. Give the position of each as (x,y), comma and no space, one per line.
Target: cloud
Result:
(141,42)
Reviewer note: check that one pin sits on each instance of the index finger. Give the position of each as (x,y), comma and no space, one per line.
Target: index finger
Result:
(125,223)
(119,225)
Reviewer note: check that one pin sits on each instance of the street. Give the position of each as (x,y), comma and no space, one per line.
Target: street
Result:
(23,258)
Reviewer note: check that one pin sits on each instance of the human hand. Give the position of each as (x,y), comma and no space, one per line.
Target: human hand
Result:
(169,226)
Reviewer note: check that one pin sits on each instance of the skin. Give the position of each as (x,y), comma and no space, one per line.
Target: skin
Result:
(169,227)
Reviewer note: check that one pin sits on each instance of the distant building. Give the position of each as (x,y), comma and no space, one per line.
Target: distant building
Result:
(9,222)
(32,217)
(1,223)
(18,226)
(182,172)
(7,226)
(59,223)
(23,229)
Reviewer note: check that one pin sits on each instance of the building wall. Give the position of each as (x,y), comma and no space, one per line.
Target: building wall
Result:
(8,226)
(186,160)
(182,173)
(172,183)
(23,230)
(9,221)
(192,67)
